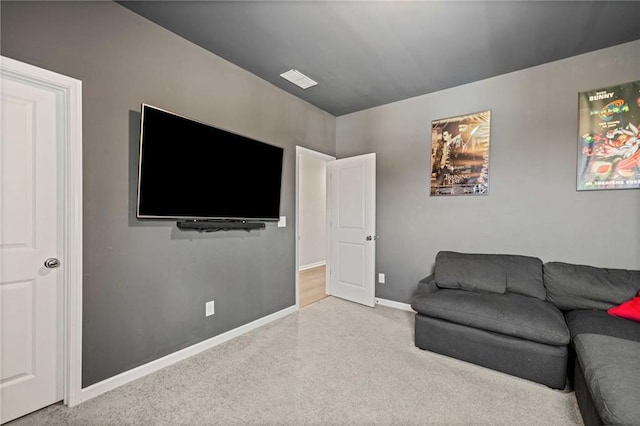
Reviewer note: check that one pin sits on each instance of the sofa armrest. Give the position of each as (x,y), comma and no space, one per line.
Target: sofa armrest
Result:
(427,285)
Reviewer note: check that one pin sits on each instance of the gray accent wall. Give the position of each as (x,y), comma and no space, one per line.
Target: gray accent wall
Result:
(146,282)
(532,208)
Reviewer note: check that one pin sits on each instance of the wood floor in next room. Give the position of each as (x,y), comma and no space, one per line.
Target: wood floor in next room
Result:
(312,285)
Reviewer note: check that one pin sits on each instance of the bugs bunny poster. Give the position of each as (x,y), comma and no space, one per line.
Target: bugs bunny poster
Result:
(609,138)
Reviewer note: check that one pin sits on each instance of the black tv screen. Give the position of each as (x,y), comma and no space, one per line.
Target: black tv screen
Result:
(190,170)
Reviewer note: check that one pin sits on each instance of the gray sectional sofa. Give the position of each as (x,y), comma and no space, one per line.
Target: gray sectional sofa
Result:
(606,349)
(491,310)
(513,314)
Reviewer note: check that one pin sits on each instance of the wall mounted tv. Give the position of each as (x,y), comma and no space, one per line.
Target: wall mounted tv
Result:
(192,171)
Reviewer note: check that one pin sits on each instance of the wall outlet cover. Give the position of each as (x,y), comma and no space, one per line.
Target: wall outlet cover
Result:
(282,223)
(381,278)
(209,308)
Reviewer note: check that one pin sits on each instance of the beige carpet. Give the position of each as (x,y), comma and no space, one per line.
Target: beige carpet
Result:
(333,362)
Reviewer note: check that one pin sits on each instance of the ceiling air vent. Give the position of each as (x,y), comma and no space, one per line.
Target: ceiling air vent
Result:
(299,79)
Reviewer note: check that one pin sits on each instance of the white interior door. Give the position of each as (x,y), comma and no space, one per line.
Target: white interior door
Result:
(352,222)
(30,293)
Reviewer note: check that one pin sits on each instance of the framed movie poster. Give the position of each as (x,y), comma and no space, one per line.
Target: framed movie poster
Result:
(460,155)
(609,140)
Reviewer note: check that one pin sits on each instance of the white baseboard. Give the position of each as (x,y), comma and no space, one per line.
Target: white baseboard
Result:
(312,265)
(141,371)
(394,304)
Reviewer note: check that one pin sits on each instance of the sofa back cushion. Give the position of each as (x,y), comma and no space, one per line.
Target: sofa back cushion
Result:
(491,273)
(586,287)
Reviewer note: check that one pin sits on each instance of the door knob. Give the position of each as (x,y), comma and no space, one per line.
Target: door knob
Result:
(372,237)
(51,263)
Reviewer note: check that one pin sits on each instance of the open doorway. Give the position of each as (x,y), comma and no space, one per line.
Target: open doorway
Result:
(311,226)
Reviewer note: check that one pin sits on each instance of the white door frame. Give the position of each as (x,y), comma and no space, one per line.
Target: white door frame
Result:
(68,93)
(325,157)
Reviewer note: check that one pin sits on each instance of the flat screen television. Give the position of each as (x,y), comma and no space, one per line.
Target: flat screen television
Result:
(193,171)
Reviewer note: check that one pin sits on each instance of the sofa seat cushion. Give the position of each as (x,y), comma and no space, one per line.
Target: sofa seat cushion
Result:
(494,273)
(612,372)
(509,314)
(591,321)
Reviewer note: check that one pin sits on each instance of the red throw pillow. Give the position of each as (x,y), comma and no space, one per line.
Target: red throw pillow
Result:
(629,310)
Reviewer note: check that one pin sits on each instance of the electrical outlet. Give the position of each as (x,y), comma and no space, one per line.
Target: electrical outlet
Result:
(282,223)
(381,278)
(209,308)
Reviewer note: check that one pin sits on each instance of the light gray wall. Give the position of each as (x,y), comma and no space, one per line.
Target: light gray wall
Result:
(146,283)
(532,208)
(313,210)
